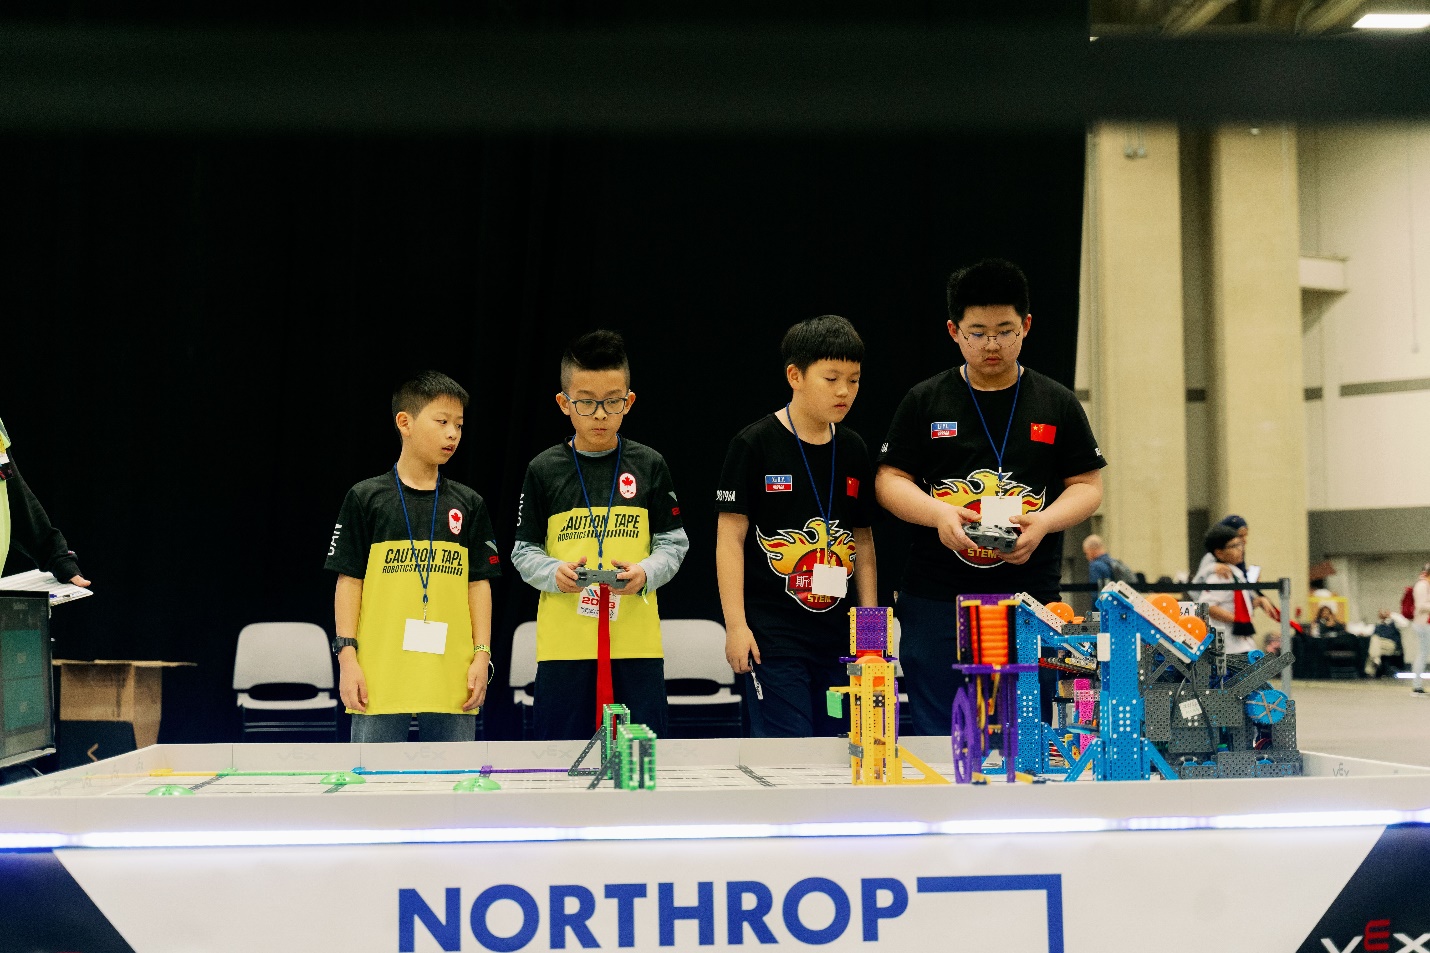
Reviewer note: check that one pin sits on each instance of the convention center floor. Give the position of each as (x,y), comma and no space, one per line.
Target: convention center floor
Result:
(1379,719)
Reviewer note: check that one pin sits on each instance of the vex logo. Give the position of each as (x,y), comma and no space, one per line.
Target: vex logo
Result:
(1376,937)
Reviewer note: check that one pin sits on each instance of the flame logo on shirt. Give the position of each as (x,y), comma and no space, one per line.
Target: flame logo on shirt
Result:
(967,493)
(794,553)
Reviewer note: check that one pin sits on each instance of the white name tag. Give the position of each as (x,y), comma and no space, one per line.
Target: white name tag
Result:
(420,636)
(997,510)
(590,604)
(831,581)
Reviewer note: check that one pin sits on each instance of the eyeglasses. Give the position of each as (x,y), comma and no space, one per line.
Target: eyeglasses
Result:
(981,338)
(585,407)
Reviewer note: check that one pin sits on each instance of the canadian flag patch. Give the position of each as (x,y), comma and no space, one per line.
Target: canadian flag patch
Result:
(1043,433)
(454,521)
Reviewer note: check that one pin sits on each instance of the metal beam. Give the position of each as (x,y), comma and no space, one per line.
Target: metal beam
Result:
(706,80)
(1329,15)
(1189,15)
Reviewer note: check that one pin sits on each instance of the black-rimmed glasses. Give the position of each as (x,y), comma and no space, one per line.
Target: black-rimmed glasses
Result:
(981,338)
(586,407)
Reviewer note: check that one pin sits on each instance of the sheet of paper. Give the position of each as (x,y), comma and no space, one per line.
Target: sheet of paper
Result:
(37,580)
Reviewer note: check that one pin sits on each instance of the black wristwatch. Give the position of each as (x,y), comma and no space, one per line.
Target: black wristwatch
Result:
(341,642)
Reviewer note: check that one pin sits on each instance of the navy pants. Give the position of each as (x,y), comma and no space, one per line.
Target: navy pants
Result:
(786,698)
(928,650)
(431,726)
(565,692)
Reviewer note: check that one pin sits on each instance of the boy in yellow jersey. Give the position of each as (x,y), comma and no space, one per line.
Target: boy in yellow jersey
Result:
(597,502)
(414,553)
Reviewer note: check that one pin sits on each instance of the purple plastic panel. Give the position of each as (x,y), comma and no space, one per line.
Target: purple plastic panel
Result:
(871,628)
(965,635)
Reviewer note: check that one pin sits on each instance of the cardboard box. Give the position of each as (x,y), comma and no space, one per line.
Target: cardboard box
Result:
(114,690)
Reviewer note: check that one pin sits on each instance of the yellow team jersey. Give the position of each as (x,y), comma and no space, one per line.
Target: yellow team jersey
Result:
(371,542)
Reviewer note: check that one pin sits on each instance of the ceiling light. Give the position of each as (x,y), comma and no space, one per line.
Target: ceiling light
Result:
(1393,21)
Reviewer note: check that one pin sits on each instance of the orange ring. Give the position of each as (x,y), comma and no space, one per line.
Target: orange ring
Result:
(1166,603)
(1062,610)
(1195,627)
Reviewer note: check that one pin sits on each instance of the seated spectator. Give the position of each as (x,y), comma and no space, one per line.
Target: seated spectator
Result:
(1385,641)
(1326,625)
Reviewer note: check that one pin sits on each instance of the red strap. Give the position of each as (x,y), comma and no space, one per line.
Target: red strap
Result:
(1243,611)
(605,695)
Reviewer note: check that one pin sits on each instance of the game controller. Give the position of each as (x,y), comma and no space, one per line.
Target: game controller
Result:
(594,577)
(1000,538)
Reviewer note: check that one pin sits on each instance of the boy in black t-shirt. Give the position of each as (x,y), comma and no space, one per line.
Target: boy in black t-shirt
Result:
(794,525)
(597,501)
(989,442)
(414,555)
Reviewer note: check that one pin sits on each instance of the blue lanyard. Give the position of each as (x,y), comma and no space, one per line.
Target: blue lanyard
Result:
(425,577)
(997,450)
(814,488)
(615,475)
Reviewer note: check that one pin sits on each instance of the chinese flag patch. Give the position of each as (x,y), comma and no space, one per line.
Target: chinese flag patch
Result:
(851,487)
(1044,433)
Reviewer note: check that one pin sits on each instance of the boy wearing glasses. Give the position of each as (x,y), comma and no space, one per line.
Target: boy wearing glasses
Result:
(987,442)
(795,508)
(599,504)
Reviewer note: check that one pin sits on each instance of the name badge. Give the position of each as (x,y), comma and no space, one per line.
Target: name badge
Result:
(422,636)
(831,581)
(590,604)
(997,510)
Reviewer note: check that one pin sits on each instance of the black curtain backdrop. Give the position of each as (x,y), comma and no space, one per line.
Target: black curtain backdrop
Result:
(201,337)
(201,334)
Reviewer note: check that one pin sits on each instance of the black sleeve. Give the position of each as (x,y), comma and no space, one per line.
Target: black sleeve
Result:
(351,542)
(531,511)
(33,533)
(481,542)
(861,472)
(732,494)
(902,447)
(662,502)
(1081,452)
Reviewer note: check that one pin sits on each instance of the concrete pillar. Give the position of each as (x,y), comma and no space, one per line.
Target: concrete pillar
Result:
(1255,397)
(1137,379)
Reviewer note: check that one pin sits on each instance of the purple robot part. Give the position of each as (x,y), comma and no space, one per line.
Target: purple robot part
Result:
(965,637)
(871,629)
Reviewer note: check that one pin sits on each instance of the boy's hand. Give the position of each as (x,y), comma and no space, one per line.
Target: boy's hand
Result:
(477,675)
(352,684)
(950,528)
(739,646)
(634,576)
(1033,529)
(79,581)
(566,576)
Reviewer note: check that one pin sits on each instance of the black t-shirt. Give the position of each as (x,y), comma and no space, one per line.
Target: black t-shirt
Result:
(765,479)
(937,437)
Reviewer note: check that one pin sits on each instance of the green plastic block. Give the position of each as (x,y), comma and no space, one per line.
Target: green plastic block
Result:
(477,783)
(344,777)
(169,790)
(834,703)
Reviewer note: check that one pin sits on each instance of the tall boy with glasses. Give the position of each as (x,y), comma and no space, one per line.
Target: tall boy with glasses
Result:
(989,441)
(597,502)
(796,507)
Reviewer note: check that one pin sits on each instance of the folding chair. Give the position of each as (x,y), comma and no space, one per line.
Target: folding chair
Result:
(699,686)
(283,673)
(522,679)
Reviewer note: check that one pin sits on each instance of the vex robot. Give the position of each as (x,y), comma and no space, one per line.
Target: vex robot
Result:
(1143,686)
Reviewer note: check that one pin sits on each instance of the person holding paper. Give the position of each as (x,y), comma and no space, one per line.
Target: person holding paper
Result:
(987,442)
(25,523)
(598,531)
(415,553)
(795,504)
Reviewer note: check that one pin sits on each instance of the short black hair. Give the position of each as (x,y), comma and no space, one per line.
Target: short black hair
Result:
(827,337)
(599,350)
(1219,536)
(992,281)
(417,392)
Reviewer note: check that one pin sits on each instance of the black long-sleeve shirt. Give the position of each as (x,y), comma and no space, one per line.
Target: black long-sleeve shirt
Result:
(30,528)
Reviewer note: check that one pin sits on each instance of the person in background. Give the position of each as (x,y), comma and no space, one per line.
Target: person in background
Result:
(25,523)
(1227,608)
(1421,626)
